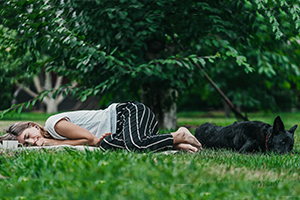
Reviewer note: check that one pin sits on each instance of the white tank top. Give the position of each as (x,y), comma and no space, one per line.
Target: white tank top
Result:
(97,122)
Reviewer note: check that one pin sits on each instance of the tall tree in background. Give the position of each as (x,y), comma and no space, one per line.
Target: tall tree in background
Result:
(17,75)
(113,46)
(47,81)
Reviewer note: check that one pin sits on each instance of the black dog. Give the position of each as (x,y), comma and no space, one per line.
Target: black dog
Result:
(248,136)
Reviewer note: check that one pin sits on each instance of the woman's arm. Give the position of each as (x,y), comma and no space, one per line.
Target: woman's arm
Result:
(54,142)
(76,134)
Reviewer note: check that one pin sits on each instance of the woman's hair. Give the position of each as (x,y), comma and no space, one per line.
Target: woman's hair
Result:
(17,128)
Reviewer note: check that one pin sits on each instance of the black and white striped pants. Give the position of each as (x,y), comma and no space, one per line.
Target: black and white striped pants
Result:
(137,130)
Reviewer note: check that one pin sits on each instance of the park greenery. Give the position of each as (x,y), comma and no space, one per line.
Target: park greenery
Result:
(153,51)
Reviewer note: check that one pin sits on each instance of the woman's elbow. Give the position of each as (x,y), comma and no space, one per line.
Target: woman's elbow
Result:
(92,141)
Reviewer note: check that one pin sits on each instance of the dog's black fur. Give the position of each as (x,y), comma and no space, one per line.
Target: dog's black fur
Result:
(248,136)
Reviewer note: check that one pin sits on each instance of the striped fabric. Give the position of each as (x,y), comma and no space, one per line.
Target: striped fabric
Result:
(137,130)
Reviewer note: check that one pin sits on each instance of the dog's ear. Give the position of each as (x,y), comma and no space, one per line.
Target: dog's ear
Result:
(292,130)
(278,125)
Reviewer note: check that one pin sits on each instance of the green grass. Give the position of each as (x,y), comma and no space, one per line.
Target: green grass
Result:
(210,174)
(122,175)
(26,117)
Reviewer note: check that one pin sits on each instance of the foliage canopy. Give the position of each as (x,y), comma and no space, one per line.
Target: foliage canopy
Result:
(110,46)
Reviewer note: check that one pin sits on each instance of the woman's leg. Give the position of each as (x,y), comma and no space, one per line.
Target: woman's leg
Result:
(113,142)
(140,130)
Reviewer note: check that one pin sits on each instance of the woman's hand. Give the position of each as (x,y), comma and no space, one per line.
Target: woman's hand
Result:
(102,137)
(45,142)
(53,142)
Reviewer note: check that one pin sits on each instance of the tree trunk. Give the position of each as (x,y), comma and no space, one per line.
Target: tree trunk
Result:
(161,100)
(52,106)
(163,103)
(170,118)
(47,84)
(227,109)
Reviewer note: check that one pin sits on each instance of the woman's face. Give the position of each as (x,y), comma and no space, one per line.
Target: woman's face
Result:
(30,136)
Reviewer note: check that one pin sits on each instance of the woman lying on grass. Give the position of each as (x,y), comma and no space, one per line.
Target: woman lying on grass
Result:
(131,126)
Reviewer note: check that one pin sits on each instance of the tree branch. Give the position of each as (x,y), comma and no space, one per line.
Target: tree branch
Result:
(60,97)
(48,81)
(27,89)
(236,112)
(58,82)
(37,84)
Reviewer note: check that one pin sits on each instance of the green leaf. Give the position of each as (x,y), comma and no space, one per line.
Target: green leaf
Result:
(83,98)
(20,109)
(211,60)
(202,61)
(114,50)
(27,104)
(13,112)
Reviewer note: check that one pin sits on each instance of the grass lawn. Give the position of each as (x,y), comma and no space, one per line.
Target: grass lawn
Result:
(210,174)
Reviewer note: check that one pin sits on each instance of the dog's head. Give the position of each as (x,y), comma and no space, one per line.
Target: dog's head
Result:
(280,140)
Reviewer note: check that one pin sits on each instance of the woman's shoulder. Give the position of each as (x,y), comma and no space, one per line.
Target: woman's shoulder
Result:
(52,120)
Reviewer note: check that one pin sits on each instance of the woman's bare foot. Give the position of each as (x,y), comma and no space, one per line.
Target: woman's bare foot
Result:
(185,147)
(183,135)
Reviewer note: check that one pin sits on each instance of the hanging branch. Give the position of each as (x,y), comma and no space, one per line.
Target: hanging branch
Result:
(236,112)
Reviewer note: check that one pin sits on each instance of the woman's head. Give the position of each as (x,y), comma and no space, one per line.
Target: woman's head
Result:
(25,132)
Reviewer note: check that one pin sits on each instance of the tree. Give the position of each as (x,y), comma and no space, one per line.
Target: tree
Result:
(152,44)
(47,82)
(8,69)
(13,74)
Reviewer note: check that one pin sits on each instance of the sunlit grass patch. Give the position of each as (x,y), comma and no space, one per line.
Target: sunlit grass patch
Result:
(124,175)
